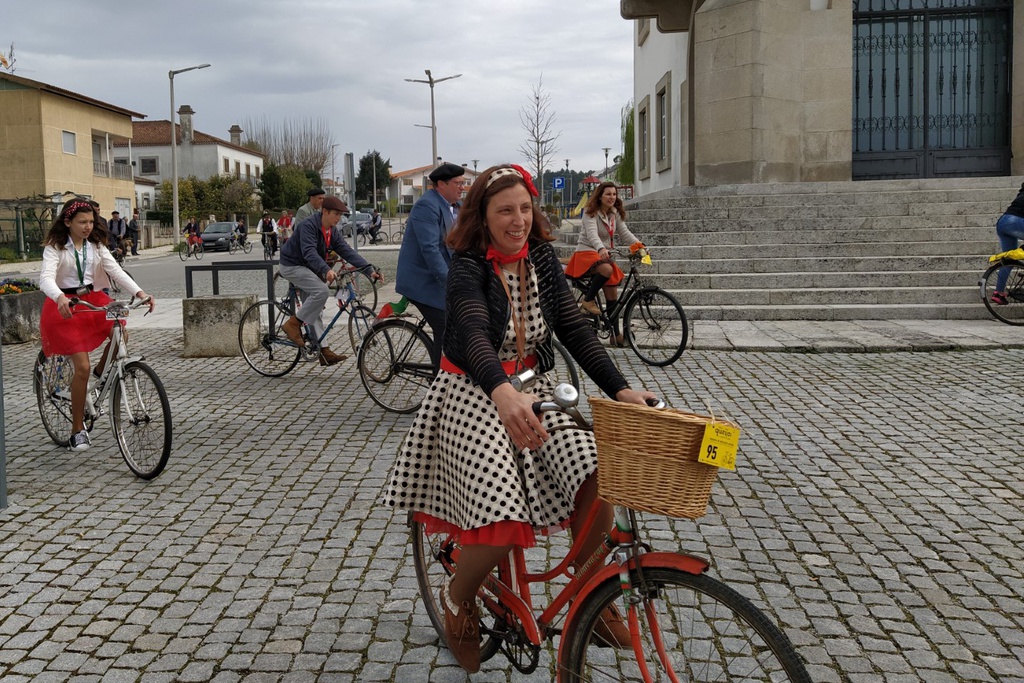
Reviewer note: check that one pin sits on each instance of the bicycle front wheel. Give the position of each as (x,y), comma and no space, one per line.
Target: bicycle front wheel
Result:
(267,253)
(264,345)
(183,254)
(51,380)
(197,251)
(141,418)
(691,628)
(395,366)
(360,319)
(655,327)
(365,288)
(1012,312)
(433,558)
(232,247)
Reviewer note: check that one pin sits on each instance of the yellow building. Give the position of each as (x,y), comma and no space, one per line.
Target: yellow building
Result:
(54,142)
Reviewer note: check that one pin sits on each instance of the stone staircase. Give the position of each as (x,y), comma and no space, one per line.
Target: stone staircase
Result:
(911,249)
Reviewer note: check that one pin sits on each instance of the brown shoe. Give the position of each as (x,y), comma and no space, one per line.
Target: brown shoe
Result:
(328,357)
(462,631)
(590,307)
(293,328)
(611,630)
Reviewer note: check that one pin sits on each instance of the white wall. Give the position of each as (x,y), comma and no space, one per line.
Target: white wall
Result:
(661,52)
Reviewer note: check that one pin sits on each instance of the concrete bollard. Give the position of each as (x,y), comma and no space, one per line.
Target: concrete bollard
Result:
(210,324)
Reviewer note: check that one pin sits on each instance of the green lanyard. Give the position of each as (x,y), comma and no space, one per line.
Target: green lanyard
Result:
(81,264)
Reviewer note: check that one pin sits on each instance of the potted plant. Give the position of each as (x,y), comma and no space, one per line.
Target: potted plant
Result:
(21,303)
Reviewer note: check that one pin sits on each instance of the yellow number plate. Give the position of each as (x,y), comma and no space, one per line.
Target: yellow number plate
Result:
(720,444)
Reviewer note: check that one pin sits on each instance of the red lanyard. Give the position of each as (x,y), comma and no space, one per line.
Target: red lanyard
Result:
(609,225)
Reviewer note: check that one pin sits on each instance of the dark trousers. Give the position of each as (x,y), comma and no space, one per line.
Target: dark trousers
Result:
(133,235)
(435,317)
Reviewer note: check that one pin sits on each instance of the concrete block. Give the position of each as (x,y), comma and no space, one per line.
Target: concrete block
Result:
(210,324)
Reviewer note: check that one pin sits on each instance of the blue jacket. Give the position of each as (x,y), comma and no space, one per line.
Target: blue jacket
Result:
(307,247)
(424,257)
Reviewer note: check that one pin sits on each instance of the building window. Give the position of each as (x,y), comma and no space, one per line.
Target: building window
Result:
(407,182)
(227,166)
(68,143)
(643,29)
(238,169)
(248,171)
(257,173)
(145,201)
(643,138)
(149,165)
(663,120)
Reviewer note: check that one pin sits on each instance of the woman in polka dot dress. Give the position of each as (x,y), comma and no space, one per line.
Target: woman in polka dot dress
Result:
(477,461)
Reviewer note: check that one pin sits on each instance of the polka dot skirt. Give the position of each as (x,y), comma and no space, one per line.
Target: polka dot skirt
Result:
(459,464)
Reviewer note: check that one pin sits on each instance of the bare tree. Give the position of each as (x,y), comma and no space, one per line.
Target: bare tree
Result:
(538,121)
(306,143)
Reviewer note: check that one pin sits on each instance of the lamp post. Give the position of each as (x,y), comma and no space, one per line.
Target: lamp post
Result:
(433,124)
(606,150)
(174,154)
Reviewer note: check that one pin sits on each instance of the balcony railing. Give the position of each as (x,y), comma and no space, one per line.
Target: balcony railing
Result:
(108,170)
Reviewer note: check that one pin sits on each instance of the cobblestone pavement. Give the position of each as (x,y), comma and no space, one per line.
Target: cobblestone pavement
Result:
(876,514)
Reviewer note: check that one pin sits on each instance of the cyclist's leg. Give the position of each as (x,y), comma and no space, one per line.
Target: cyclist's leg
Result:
(79,387)
(435,317)
(1010,230)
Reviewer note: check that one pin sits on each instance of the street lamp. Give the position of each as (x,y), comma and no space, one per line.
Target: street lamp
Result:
(174,154)
(606,150)
(433,124)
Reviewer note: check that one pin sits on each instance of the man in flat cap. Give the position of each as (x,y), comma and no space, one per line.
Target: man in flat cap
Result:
(424,257)
(316,200)
(304,264)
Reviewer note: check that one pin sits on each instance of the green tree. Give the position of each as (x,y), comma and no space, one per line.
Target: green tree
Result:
(624,172)
(271,188)
(369,165)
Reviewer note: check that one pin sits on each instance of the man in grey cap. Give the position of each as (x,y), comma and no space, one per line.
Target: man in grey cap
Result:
(424,257)
(316,200)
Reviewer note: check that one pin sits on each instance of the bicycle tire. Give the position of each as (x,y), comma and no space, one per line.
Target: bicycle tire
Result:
(247,247)
(141,419)
(395,366)
(50,376)
(232,246)
(365,288)
(183,253)
(265,347)
(432,559)
(655,326)
(361,239)
(268,254)
(727,637)
(360,320)
(1012,312)
(198,251)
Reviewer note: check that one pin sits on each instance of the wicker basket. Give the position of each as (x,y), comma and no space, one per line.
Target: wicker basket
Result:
(647,458)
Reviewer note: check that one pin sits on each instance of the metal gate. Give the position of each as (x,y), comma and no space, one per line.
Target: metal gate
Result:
(931,88)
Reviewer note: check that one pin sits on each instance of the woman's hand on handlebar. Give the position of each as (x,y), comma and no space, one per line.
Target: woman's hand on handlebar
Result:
(515,409)
(634,396)
(142,296)
(64,306)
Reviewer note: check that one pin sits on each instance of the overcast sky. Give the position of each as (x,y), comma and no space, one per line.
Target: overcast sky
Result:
(345,61)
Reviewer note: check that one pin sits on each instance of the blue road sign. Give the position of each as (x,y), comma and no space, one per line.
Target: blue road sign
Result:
(558,182)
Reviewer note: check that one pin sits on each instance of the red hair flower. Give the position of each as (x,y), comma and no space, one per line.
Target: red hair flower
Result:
(527,178)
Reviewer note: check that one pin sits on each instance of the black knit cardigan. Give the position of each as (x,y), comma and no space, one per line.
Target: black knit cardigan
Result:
(477,310)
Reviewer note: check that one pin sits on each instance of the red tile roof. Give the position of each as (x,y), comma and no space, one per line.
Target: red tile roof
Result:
(158,133)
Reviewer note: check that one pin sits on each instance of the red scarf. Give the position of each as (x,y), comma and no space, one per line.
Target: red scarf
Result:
(498,259)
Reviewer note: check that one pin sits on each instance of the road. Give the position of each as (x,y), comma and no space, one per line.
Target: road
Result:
(876,512)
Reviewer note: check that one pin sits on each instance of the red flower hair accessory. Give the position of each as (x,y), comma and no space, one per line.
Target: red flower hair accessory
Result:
(516,170)
(527,178)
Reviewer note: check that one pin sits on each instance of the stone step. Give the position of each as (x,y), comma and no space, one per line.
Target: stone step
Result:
(980,235)
(835,250)
(830,212)
(826,280)
(975,311)
(973,263)
(998,195)
(754,223)
(880,296)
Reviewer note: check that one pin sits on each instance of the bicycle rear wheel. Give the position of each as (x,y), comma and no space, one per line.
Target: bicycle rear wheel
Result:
(433,556)
(141,419)
(360,319)
(51,380)
(264,345)
(395,366)
(655,326)
(709,632)
(1012,312)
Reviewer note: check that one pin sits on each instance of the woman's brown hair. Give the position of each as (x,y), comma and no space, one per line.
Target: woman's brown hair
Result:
(58,234)
(470,231)
(594,203)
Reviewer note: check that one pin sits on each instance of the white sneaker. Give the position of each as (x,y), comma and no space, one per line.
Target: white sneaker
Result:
(79,441)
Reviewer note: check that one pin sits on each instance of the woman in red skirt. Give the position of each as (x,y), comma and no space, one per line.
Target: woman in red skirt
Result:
(77,263)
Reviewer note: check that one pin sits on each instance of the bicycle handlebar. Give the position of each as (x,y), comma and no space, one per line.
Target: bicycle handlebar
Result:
(126,303)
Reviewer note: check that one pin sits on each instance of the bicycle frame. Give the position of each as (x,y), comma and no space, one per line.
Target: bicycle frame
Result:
(346,305)
(630,285)
(114,359)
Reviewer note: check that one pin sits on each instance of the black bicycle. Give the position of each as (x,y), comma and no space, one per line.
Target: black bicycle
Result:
(653,322)
(1008,305)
